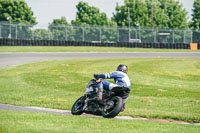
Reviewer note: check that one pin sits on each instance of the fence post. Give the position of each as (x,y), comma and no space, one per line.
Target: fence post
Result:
(0,31)
(191,36)
(16,32)
(10,36)
(136,34)
(100,34)
(33,34)
(155,36)
(184,37)
(66,34)
(83,38)
(118,34)
(139,32)
(49,35)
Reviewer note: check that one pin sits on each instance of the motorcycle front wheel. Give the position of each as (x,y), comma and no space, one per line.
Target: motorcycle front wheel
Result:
(77,108)
(112,107)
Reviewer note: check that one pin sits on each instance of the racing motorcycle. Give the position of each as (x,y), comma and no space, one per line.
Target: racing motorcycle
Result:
(110,105)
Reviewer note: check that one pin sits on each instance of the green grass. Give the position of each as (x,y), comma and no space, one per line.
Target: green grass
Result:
(161,88)
(84,49)
(26,122)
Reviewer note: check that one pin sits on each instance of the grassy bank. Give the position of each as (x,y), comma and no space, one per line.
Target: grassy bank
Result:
(25,122)
(84,49)
(161,88)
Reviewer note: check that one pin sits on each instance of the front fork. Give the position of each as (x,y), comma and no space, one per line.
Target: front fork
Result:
(85,103)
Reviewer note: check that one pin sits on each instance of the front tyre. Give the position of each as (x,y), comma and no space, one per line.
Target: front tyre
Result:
(77,108)
(112,107)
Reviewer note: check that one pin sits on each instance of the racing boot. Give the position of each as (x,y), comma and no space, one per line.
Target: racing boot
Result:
(99,91)
(124,102)
(99,96)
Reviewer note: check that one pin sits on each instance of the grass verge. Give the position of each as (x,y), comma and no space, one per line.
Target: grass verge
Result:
(26,122)
(161,88)
(84,49)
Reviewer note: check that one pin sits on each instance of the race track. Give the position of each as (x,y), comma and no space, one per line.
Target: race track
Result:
(67,112)
(13,59)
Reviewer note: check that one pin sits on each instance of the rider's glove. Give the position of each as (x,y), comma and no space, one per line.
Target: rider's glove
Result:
(95,76)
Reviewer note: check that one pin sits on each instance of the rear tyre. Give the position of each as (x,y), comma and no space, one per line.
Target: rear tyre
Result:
(77,108)
(112,107)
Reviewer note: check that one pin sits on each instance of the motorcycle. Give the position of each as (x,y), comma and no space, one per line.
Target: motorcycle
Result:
(110,105)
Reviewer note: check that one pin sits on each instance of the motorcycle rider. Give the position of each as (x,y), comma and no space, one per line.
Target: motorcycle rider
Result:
(120,77)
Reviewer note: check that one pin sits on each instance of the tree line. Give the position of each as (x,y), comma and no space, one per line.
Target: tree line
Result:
(133,13)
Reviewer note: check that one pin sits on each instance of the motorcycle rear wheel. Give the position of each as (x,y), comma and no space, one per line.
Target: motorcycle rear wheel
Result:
(112,107)
(77,108)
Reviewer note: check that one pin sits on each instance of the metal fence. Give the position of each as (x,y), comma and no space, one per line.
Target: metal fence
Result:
(97,34)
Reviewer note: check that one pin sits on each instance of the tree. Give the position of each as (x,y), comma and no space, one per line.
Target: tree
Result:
(138,14)
(196,15)
(61,30)
(176,13)
(151,14)
(90,15)
(159,13)
(61,21)
(195,24)
(16,11)
(41,34)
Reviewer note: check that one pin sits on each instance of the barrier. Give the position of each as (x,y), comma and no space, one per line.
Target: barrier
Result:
(193,46)
(20,42)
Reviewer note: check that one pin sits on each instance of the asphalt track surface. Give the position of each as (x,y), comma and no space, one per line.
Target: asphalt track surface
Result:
(14,59)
